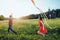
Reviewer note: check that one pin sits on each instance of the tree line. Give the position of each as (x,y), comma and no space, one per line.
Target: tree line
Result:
(35,16)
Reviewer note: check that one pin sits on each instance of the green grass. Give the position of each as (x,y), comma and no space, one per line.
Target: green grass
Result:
(27,30)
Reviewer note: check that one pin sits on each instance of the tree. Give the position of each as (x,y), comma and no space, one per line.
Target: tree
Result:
(2,17)
(58,12)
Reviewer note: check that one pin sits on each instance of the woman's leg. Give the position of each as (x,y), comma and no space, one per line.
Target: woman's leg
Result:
(41,33)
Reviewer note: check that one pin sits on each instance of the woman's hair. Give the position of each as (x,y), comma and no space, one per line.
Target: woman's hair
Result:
(40,17)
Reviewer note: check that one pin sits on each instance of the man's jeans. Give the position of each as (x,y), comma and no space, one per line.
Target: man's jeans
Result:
(10,28)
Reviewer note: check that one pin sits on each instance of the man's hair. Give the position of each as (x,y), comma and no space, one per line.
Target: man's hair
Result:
(10,15)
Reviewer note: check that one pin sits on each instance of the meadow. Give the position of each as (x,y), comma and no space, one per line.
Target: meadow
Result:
(27,30)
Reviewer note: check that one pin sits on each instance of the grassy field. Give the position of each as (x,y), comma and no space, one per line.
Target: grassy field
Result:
(27,30)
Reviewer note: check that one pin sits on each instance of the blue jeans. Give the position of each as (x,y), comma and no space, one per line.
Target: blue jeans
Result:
(10,28)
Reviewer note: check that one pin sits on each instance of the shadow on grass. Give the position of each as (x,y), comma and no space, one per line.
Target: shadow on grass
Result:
(52,31)
(53,34)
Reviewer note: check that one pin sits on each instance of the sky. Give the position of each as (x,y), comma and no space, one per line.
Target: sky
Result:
(21,8)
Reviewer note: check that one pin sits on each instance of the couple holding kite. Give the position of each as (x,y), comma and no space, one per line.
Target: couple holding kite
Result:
(42,30)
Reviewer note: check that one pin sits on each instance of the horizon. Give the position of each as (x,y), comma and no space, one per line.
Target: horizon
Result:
(21,8)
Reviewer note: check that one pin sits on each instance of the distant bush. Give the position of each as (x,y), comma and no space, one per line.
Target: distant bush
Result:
(2,17)
(32,16)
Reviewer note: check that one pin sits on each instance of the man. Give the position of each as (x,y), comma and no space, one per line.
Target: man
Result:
(10,25)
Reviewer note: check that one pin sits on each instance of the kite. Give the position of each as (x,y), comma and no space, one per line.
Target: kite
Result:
(41,12)
(36,6)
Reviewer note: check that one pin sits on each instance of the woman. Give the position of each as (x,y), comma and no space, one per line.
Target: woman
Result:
(41,30)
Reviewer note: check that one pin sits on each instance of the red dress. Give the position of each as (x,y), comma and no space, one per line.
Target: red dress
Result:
(41,27)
